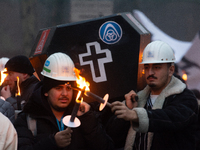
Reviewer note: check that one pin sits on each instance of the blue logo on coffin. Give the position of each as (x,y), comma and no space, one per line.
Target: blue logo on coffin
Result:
(110,32)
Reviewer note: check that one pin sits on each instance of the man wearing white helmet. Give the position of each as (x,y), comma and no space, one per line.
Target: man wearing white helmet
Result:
(165,115)
(52,100)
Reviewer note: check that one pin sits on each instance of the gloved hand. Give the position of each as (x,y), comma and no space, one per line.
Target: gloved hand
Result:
(63,138)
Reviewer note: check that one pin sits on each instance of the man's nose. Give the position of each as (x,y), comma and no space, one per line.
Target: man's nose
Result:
(6,78)
(64,91)
(151,71)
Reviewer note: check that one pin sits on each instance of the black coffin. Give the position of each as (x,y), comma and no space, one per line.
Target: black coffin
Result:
(107,50)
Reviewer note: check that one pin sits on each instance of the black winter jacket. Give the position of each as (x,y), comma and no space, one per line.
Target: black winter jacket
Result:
(88,136)
(26,88)
(171,124)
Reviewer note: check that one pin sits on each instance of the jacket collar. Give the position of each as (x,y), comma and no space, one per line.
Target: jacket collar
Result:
(175,86)
(25,84)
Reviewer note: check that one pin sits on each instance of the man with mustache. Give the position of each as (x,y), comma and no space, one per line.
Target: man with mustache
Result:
(52,100)
(166,112)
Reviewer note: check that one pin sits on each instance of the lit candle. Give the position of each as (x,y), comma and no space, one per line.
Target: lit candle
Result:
(94,96)
(72,120)
(79,99)
(75,110)
(18,88)
(18,94)
(3,76)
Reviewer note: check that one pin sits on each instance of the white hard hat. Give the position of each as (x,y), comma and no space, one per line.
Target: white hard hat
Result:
(59,66)
(3,61)
(158,52)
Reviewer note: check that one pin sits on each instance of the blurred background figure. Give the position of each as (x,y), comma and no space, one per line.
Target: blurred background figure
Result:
(8,134)
(19,80)
(5,107)
(3,61)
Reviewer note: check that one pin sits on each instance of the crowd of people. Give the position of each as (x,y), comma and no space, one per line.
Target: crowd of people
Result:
(162,116)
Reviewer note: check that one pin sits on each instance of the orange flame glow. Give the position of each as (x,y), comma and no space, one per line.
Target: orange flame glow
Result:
(143,72)
(81,83)
(184,77)
(18,89)
(3,76)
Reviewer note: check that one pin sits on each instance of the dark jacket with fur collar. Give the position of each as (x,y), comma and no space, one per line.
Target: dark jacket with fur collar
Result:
(89,135)
(171,122)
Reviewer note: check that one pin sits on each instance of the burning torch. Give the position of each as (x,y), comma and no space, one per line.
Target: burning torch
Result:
(71,120)
(3,76)
(103,101)
(82,88)
(18,95)
(81,81)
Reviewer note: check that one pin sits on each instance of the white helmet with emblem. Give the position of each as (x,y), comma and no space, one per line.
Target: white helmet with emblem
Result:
(158,52)
(59,66)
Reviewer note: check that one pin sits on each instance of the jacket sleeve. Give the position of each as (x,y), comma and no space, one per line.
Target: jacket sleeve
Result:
(7,110)
(13,102)
(8,134)
(117,129)
(179,112)
(94,133)
(26,138)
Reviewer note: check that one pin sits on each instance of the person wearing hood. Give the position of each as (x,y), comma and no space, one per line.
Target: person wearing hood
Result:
(51,102)
(5,107)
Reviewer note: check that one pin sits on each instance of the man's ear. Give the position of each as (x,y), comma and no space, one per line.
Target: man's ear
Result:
(171,70)
(25,76)
(45,94)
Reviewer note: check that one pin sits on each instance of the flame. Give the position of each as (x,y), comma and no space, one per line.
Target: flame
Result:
(18,89)
(81,83)
(184,77)
(143,71)
(3,76)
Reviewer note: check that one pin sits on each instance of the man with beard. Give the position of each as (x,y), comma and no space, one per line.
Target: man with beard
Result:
(166,112)
(18,66)
(52,100)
